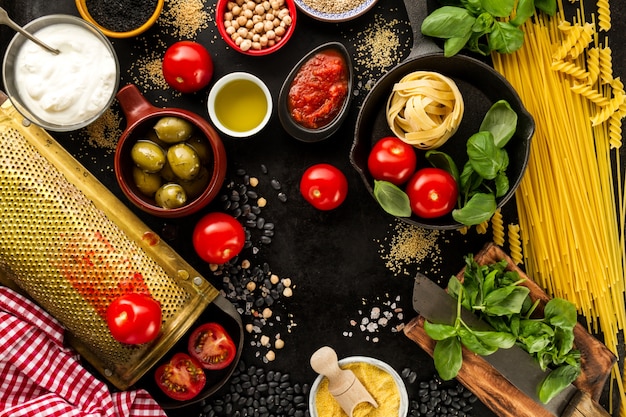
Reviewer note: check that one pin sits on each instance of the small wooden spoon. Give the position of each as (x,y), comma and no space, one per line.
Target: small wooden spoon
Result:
(342,383)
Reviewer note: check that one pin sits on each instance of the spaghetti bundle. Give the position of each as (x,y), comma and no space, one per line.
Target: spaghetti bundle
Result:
(571,221)
(425,109)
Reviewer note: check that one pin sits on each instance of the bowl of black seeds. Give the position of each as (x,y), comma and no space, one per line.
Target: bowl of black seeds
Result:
(122,18)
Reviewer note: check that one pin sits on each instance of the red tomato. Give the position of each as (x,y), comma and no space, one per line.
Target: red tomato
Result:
(134,318)
(212,346)
(432,192)
(182,378)
(187,66)
(392,159)
(324,186)
(218,237)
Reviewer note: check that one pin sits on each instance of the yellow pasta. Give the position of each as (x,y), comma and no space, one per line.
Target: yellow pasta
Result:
(481,228)
(604,15)
(572,240)
(593,65)
(585,38)
(571,69)
(497,228)
(425,109)
(515,243)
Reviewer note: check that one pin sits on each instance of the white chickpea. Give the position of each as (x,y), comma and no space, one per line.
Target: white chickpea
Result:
(235,24)
(256,18)
(240,2)
(276,22)
(241,20)
(263,40)
(259,9)
(251,4)
(256,38)
(228,16)
(256,45)
(280,31)
(274,4)
(246,45)
(269,16)
(242,31)
(270,34)
(250,25)
(266,5)
(248,13)
(238,40)
(268,26)
(271,43)
(230,30)
(230,5)
(236,11)
(287,20)
(282,13)
(258,27)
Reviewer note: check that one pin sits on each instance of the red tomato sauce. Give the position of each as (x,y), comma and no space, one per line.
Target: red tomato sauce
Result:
(319,90)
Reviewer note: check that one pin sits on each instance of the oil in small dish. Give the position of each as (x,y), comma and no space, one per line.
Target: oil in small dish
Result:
(240,105)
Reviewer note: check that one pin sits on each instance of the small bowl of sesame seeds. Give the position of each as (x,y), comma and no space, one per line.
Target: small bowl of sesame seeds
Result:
(122,18)
(255,27)
(335,11)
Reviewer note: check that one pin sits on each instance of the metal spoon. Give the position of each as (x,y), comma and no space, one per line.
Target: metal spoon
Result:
(6,20)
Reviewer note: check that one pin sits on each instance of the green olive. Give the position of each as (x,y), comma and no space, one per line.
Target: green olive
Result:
(170,196)
(202,147)
(196,186)
(184,161)
(148,156)
(172,129)
(167,173)
(147,182)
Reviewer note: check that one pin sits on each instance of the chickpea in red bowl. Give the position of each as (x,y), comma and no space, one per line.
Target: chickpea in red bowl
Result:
(315,97)
(255,27)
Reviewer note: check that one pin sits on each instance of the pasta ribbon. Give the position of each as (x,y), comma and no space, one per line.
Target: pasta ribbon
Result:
(425,109)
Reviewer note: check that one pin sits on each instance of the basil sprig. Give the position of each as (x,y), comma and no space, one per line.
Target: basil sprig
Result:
(482,26)
(495,295)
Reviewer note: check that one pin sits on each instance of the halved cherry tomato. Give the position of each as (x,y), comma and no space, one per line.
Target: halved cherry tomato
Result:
(324,186)
(134,318)
(392,159)
(218,237)
(212,346)
(182,378)
(432,192)
(187,66)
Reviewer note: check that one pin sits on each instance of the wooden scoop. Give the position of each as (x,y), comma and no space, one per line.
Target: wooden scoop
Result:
(342,383)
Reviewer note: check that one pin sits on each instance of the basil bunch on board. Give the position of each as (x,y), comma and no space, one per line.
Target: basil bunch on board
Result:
(482,26)
(496,296)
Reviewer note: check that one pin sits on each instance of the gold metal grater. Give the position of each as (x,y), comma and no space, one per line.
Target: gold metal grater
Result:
(72,246)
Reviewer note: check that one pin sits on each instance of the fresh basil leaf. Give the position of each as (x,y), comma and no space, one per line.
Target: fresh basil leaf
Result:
(505,38)
(474,6)
(453,46)
(502,184)
(392,199)
(473,343)
(477,210)
(546,6)
(501,121)
(483,24)
(501,340)
(486,159)
(439,331)
(506,300)
(498,8)
(563,341)
(525,9)
(470,180)
(443,161)
(448,358)
(476,44)
(556,381)
(560,313)
(448,22)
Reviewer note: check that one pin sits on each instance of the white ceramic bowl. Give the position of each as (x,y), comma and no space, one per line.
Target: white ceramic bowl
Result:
(404,396)
(16,88)
(225,82)
(322,16)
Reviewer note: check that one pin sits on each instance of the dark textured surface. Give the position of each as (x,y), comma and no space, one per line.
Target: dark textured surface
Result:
(333,258)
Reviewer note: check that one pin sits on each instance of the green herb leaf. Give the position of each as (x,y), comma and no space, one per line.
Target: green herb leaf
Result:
(448,22)
(392,199)
(484,156)
(560,313)
(448,357)
(546,6)
(506,300)
(473,343)
(505,38)
(498,8)
(501,340)
(501,121)
(525,9)
(556,381)
(439,331)
(443,161)
(477,210)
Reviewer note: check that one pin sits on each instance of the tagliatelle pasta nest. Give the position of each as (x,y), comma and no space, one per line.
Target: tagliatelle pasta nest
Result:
(425,109)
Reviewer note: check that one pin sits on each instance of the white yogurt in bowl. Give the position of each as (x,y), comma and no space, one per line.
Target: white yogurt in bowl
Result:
(66,91)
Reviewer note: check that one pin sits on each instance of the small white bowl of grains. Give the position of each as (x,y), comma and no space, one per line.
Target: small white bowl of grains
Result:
(335,11)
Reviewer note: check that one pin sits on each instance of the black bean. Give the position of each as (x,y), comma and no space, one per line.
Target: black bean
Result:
(263,169)
(282,197)
(275,184)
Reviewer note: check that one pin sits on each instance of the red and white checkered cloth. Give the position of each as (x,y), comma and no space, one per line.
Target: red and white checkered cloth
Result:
(41,377)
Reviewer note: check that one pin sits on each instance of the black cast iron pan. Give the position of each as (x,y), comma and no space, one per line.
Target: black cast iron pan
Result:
(480,85)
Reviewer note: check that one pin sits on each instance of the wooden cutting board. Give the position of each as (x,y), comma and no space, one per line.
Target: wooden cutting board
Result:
(502,397)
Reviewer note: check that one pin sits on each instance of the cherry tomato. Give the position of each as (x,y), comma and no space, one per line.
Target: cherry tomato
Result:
(134,318)
(324,186)
(212,346)
(392,160)
(182,378)
(432,192)
(218,237)
(187,66)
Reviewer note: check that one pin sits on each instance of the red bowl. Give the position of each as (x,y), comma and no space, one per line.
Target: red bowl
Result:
(141,116)
(221,9)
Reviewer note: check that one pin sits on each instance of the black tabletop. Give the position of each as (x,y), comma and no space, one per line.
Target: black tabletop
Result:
(348,267)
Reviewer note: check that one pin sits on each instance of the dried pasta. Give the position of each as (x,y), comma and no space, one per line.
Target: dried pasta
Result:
(425,109)
(515,243)
(571,69)
(573,172)
(604,15)
(481,228)
(572,33)
(497,228)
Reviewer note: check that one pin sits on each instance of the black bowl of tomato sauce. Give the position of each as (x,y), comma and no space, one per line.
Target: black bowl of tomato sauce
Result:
(315,96)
